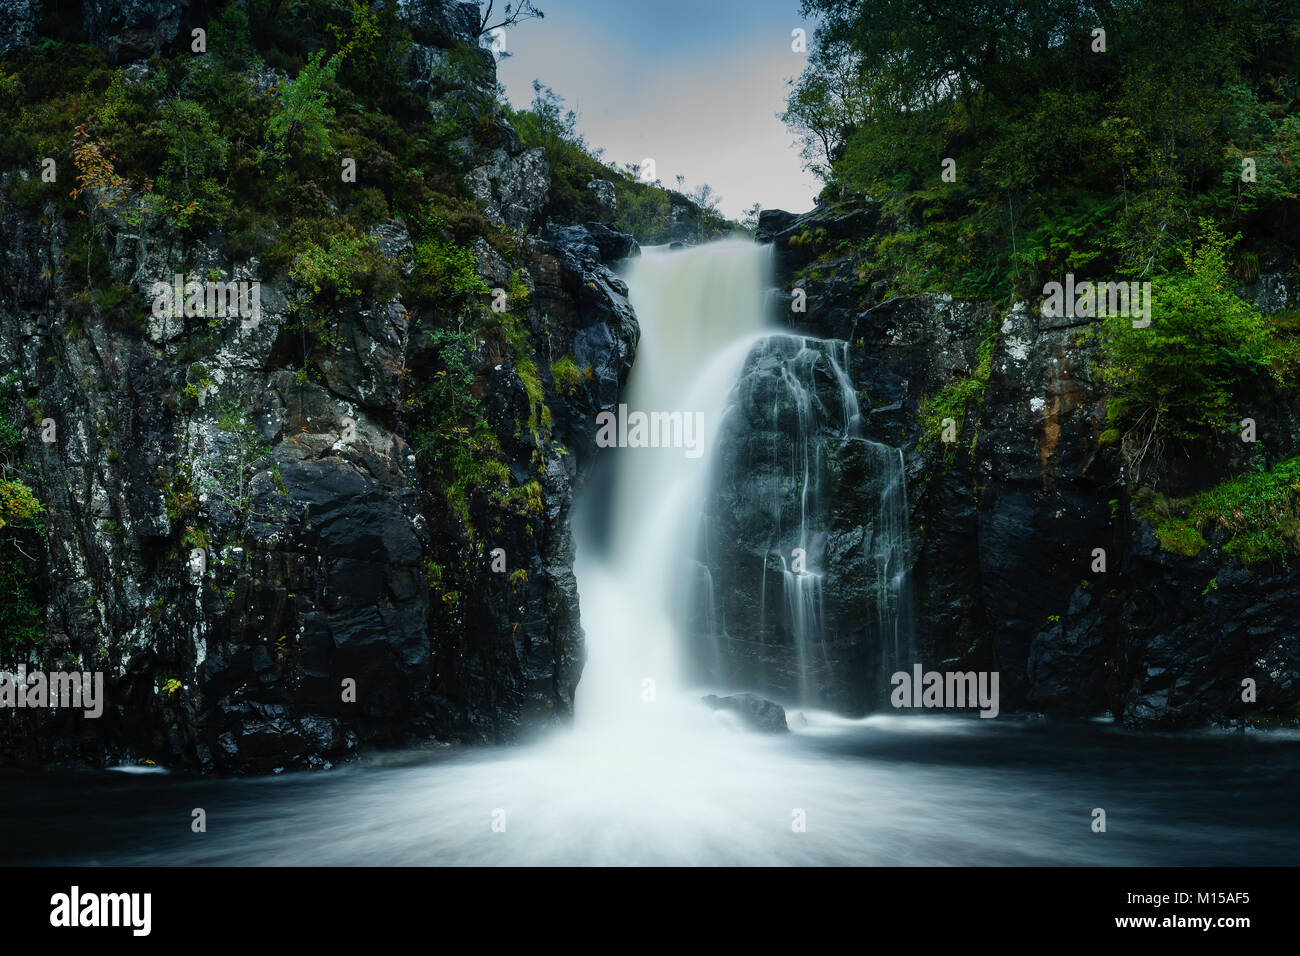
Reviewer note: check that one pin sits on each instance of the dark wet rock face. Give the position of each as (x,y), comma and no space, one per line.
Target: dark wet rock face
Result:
(803,538)
(1006,523)
(18,20)
(134,29)
(257,559)
(440,22)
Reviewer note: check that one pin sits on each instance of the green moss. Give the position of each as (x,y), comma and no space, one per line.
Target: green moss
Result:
(1180,537)
(1258,515)
(953,400)
(525,500)
(567,375)
(1260,512)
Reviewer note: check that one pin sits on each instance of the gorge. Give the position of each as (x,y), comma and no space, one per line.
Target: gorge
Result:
(520,511)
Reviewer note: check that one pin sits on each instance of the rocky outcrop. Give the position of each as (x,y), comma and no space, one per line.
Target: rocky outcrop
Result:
(574,267)
(1006,522)
(247,544)
(607,199)
(512,189)
(134,29)
(18,20)
(802,536)
(440,23)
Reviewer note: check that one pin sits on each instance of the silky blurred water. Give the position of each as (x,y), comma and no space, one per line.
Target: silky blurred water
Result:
(880,791)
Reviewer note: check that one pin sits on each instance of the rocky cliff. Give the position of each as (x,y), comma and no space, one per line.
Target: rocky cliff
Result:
(250,526)
(1007,515)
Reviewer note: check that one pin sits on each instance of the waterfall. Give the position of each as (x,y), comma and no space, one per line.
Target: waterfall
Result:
(782,434)
(811,517)
(700,313)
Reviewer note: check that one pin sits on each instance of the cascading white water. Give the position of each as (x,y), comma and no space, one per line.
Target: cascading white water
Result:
(702,322)
(887,543)
(700,314)
(802,587)
(801,592)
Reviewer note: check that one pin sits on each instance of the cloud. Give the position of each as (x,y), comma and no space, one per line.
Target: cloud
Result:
(711,118)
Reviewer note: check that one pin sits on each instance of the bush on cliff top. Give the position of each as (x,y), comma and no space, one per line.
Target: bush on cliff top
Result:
(1061,156)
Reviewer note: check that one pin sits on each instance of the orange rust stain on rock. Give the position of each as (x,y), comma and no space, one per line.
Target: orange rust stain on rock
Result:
(1051,427)
(1051,434)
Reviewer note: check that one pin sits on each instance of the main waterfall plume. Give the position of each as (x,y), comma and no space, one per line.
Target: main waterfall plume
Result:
(700,314)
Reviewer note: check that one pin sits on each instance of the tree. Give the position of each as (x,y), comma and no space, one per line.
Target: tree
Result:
(513,15)
(828,101)
(304,106)
(552,117)
(195,154)
(705,198)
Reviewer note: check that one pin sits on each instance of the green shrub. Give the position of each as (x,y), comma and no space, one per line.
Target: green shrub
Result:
(446,274)
(189,183)
(1205,352)
(454,444)
(303,109)
(22,528)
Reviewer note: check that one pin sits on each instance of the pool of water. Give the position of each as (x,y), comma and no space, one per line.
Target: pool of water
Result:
(883,790)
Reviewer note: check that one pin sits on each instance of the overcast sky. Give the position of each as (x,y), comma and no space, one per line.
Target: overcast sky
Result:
(695,85)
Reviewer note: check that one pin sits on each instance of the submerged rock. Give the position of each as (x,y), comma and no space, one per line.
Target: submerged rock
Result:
(757,713)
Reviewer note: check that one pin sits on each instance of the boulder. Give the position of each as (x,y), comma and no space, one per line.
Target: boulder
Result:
(757,713)
(18,24)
